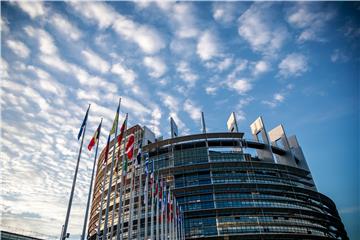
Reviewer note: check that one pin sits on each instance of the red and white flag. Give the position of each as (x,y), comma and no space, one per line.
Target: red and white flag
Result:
(130,146)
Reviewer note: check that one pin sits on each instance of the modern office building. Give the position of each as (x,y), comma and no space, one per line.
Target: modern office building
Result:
(6,235)
(228,186)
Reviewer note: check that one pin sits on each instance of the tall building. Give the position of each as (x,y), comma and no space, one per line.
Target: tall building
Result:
(228,187)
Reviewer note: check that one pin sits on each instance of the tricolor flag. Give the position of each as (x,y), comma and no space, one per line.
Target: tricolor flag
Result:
(121,135)
(83,123)
(130,146)
(116,120)
(95,138)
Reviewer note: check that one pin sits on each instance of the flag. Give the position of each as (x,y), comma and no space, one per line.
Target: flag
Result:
(116,120)
(156,190)
(146,164)
(83,123)
(164,200)
(169,205)
(138,156)
(130,146)
(121,135)
(107,150)
(95,138)
(152,173)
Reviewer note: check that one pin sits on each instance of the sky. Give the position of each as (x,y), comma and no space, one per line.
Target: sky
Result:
(295,64)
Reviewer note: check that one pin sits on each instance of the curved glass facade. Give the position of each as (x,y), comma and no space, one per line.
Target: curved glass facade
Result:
(228,192)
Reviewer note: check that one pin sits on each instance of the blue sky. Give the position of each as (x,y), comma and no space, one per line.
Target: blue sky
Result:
(293,63)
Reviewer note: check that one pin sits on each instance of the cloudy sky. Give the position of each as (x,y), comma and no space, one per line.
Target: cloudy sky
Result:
(292,63)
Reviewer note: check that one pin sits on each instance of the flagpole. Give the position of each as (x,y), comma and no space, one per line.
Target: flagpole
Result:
(64,232)
(111,176)
(133,189)
(122,185)
(91,183)
(157,209)
(114,202)
(103,185)
(146,194)
(165,214)
(139,203)
(152,202)
(102,198)
(130,222)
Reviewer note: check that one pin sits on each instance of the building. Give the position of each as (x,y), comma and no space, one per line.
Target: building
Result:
(229,187)
(5,235)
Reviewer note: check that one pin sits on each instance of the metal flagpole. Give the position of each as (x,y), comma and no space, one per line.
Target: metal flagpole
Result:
(64,232)
(166,215)
(183,225)
(111,175)
(103,187)
(130,223)
(146,204)
(157,209)
(132,193)
(114,202)
(91,181)
(146,194)
(139,204)
(162,211)
(174,217)
(152,202)
(122,186)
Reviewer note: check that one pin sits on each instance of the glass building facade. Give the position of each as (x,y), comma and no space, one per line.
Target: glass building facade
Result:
(233,188)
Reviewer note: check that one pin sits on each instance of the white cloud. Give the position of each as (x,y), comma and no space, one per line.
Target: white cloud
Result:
(64,26)
(94,61)
(193,110)
(210,90)
(207,46)
(183,17)
(46,83)
(225,64)
(224,12)
(56,62)
(127,75)
(311,19)
(242,86)
(156,65)
(99,12)
(277,98)
(45,40)
(173,104)
(4,25)
(18,47)
(255,29)
(4,69)
(293,64)
(146,37)
(338,56)
(260,67)
(33,9)
(186,74)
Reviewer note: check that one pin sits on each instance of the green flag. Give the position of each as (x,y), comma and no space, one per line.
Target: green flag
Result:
(116,120)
